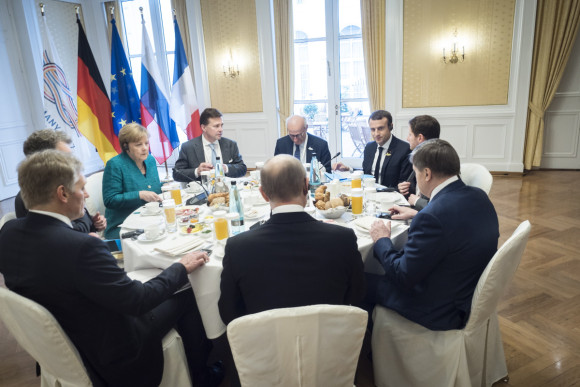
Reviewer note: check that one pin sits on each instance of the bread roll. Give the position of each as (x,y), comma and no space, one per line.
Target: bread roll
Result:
(319,204)
(321,189)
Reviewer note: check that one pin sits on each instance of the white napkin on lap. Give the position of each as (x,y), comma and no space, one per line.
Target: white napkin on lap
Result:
(178,247)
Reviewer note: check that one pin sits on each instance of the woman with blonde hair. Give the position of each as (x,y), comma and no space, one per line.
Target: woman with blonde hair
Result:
(130,178)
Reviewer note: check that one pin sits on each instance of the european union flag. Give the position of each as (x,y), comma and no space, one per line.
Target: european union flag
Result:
(124,96)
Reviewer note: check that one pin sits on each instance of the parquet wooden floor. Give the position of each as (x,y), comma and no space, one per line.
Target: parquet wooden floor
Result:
(540,311)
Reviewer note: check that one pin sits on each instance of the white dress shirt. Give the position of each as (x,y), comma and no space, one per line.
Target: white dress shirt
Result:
(385,147)
(286,208)
(208,155)
(438,189)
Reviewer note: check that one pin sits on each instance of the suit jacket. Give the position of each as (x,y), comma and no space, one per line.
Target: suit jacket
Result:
(75,277)
(82,224)
(423,200)
(315,145)
(291,260)
(122,181)
(451,241)
(396,167)
(192,154)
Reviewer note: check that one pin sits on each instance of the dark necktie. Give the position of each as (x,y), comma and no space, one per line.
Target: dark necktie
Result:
(378,165)
(297,151)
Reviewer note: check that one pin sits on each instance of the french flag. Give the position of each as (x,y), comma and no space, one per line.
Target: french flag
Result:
(183,108)
(155,106)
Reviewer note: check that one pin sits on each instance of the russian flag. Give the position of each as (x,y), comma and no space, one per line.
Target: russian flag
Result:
(184,108)
(155,106)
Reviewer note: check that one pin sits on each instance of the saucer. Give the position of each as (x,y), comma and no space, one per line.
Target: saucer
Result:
(143,212)
(143,238)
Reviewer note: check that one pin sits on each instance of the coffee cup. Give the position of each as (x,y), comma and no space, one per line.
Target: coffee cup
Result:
(387,201)
(152,208)
(369,182)
(152,232)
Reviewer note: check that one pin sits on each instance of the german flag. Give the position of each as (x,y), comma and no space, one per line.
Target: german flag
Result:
(94,107)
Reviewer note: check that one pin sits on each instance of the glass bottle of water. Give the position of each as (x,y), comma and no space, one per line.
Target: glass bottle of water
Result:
(219,168)
(314,174)
(236,205)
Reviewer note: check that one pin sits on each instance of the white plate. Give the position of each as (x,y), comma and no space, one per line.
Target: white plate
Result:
(143,213)
(143,238)
(258,215)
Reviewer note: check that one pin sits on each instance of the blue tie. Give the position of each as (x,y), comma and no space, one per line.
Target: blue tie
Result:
(297,151)
(213,154)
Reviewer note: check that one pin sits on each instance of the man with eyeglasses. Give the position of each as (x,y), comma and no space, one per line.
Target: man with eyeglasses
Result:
(300,144)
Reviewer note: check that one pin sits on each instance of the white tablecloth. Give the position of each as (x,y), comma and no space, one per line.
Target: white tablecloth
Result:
(205,281)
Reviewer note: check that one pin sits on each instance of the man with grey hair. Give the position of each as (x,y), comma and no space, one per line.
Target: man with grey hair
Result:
(51,139)
(300,144)
(116,324)
(292,259)
(450,242)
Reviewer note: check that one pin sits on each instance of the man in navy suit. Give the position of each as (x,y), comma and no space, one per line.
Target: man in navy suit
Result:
(386,158)
(300,144)
(115,323)
(451,241)
(199,154)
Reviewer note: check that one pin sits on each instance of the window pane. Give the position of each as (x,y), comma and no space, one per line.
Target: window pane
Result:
(355,132)
(170,64)
(132,19)
(136,68)
(310,71)
(349,19)
(352,71)
(309,19)
(168,30)
(317,116)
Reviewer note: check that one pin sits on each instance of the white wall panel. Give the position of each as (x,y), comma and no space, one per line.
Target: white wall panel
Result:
(458,136)
(489,141)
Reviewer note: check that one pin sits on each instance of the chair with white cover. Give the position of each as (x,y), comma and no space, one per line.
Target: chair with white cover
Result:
(476,175)
(315,345)
(94,186)
(8,216)
(38,332)
(408,354)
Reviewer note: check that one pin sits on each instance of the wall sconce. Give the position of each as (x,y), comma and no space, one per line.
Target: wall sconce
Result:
(231,70)
(455,57)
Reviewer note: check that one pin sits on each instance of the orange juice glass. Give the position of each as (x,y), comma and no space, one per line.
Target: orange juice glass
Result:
(221,228)
(176,194)
(356,182)
(357,201)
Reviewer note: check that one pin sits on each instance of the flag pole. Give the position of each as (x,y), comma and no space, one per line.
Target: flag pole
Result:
(41,5)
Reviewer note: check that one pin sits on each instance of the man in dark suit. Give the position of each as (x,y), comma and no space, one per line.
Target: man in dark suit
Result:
(115,323)
(451,241)
(51,139)
(293,259)
(199,154)
(386,158)
(300,144)
(421,129)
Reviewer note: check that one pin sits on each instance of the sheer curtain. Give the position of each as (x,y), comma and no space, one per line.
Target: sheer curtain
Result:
(373,35)
(556,29)
(284,37)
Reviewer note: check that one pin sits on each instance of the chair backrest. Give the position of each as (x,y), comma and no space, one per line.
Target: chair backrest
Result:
(496,276)
(316,345)
(476,175)
(366,131)
(94,187)
(6,218)
(38,332)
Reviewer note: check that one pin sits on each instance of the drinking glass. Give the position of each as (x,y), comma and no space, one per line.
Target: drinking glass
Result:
(169,210)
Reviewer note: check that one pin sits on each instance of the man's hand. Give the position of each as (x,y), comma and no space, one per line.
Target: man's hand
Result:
(193,260)
(99,221)
(204,167)
(380,229)
(149,196)
(404,187)
(413,199)
(402,213)
(340,167)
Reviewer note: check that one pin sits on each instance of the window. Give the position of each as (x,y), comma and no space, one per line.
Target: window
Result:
(330,84)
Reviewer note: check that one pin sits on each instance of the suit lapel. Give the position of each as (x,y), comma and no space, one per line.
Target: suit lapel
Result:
(198,151)
(388,156)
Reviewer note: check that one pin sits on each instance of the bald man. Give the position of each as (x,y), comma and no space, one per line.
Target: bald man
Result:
(292,259)
(300,144)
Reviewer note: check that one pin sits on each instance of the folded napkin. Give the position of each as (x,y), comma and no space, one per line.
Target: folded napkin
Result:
(180,246)
(135,222)
(364,225)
